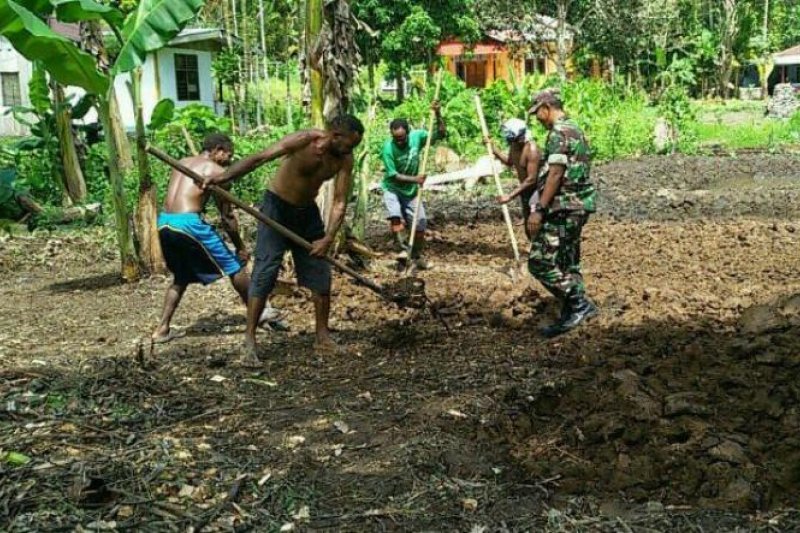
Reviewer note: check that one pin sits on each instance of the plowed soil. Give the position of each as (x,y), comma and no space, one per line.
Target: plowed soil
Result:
(677,408)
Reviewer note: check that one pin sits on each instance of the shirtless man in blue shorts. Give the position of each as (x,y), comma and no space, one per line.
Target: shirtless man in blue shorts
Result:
(193,250)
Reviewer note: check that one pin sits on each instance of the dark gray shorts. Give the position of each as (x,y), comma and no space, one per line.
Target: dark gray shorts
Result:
(313,273)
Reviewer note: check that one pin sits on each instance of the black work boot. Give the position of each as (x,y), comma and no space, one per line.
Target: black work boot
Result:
(576,310)
(417,253)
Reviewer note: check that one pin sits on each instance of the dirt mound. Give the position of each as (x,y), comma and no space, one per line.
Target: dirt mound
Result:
(698,418)
(678,186)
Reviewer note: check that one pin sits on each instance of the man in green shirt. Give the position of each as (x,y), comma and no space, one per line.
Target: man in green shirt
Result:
(401,181)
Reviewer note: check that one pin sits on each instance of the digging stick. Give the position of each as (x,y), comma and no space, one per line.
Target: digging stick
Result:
(424,167)
(506,214)
(292,236)
(189,141)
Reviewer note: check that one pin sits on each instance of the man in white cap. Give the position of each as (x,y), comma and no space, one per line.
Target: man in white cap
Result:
(525,158)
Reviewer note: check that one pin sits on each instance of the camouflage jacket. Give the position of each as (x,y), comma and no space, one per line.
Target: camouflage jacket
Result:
(566,145)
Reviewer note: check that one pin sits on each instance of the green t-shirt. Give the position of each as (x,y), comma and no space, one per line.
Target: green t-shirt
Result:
(398,160)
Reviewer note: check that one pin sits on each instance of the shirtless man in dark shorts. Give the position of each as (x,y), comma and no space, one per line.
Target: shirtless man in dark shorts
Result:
(524,157)
(310,158)
(193,250)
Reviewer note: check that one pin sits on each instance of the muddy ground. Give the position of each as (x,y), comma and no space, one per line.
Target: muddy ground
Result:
(675,410)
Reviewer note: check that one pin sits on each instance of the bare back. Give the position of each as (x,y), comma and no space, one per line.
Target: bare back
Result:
(302,173)
(183,195)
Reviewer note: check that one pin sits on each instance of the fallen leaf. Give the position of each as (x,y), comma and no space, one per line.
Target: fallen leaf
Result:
(101,525)
(295,441)
(16,459)
(342,427)
(469,504)
(302,514)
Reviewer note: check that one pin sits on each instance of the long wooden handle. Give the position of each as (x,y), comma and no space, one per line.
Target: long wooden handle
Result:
(424,167)
(286,232)
(506,214)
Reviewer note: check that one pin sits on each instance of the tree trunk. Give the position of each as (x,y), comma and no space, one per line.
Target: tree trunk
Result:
(371,77)
(401,88)
(119,135)
(362,199)
(767,57)
(150,255)
(74,183)
(289,117)
(244,71)
(562,51)
(729,32)
(231,104)
(127,253)
(264,61)
(314,15)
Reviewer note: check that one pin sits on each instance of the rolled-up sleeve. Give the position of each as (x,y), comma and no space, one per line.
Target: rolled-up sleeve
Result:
(557,149)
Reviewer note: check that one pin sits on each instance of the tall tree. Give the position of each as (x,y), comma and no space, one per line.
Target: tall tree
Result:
(333,58)
(729,30)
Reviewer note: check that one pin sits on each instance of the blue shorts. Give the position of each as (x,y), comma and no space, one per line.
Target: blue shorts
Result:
(193,250)
(400,206)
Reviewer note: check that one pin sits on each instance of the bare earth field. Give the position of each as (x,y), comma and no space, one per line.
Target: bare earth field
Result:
(677,409)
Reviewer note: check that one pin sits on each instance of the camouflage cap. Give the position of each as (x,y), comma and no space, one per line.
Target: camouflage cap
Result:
(547,97)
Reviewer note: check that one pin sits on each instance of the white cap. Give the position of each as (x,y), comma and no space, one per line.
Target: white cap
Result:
(514,128)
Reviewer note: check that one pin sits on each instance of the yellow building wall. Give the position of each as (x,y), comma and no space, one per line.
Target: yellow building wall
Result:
(500,66)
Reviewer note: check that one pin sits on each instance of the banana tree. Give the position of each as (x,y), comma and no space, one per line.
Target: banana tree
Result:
(150,27)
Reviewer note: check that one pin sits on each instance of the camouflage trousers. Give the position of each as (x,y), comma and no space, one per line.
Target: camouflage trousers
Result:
(555,257)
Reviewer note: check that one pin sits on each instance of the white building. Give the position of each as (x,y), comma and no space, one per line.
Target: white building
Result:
(180,72)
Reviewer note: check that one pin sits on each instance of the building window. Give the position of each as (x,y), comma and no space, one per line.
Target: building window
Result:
(187,77)
(535,65)
(10,89)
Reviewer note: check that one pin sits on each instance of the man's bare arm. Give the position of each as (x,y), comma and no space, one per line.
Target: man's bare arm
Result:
(287,145)
(230,223)
(341,186)
(532,160)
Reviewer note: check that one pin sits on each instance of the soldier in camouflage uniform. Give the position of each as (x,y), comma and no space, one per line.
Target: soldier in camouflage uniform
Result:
(564,200)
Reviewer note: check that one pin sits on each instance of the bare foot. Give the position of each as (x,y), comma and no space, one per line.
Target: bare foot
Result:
(163,337)
(249,356)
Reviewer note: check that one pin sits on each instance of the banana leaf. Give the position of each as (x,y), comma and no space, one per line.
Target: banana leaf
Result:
(83,10)
(152,26)
(36,41)
(38,91)
(162,114)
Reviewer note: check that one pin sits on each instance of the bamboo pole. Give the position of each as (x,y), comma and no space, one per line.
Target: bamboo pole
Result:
(424,167)
(506,214)
(189,141)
